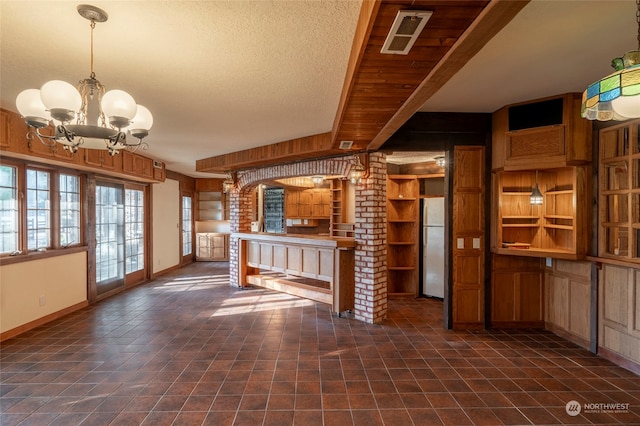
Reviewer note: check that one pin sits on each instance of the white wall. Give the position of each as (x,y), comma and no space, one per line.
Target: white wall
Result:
(166,225)
(35,289)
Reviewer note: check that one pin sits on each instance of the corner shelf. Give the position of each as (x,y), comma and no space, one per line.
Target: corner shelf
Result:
(402,234)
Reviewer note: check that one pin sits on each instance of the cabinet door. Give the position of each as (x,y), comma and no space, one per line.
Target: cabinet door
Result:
(304,204)
(99,158)
(218,247)
(291,203)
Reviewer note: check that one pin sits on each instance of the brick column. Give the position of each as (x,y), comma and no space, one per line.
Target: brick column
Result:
(240,209)
(371,241)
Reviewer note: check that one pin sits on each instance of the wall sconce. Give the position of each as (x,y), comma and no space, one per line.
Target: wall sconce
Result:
(228,184)
(440,161)
(317,180)
(357,171)
(536,196)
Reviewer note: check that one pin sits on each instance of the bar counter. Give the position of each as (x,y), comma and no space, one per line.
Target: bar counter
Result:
(316,267)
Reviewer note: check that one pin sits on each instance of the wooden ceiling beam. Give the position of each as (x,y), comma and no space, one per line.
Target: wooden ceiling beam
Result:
(291,150)
(490,22)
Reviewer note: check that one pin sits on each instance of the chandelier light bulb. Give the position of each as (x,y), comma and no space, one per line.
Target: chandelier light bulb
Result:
(142,122)
(30,106)
(61,99)
(119,107)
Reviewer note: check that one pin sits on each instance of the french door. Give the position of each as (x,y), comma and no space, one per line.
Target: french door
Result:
(110,237)
(120,236)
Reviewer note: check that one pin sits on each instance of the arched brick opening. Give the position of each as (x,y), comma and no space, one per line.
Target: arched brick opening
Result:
(370,227)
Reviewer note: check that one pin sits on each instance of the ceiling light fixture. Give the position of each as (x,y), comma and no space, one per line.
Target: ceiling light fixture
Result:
(228,184)
(317,180)
(357,171)
(112,114)
(616,96)
(440,161)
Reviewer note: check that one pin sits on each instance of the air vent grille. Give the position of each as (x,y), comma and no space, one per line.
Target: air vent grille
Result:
(346,144)
(405,31)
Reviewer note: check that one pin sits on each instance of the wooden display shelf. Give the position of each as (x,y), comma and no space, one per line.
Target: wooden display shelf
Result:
(557,228)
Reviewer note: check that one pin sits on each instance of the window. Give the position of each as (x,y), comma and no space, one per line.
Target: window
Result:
(38,210)
(186,226)
(69,210)
(620,192)
(134,230)
(8,209)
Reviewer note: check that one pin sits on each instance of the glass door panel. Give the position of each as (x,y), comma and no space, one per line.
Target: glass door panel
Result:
(109,237)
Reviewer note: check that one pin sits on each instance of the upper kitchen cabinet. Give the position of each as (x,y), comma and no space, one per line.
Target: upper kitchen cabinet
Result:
(545,133)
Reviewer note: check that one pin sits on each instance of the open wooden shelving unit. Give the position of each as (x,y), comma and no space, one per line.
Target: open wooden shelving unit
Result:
(553,229)
(339,225)
(403,222)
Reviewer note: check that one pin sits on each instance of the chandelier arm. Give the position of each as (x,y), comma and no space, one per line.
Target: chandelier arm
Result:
(46,140)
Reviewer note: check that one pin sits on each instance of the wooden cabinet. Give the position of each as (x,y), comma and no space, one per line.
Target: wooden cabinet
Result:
(14,143)
(308,203)
(402,234)
(557,228)
(546,133)
(619,192)
(517,297)
(100,159)
(212,247)
(137,165)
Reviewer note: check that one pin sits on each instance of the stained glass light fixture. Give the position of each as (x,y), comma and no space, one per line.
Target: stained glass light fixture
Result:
(616,96)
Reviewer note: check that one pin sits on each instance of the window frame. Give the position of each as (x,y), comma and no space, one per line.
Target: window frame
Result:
(22,252)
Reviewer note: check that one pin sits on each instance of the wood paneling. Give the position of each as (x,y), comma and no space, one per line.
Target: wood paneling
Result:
(468,237)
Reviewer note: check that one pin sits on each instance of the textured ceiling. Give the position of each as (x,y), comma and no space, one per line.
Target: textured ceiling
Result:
(223,76)
(218,76)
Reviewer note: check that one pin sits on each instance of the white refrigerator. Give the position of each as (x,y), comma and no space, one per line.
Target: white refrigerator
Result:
(433,247)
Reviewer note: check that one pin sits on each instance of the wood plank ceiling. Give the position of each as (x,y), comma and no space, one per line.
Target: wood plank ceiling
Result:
(382,91)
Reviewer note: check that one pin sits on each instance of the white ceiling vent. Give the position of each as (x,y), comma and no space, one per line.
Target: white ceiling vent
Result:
(346,144)
(405,30)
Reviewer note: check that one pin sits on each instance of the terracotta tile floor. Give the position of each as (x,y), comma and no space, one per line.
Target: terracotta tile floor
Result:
(187,349)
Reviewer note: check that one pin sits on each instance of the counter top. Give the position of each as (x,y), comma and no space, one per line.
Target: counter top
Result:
(316,240)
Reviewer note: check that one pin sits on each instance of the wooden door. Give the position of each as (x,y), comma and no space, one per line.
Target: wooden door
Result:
(468,241)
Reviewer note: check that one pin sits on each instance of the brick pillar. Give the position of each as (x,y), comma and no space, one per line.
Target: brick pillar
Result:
(371,242)
(240,210)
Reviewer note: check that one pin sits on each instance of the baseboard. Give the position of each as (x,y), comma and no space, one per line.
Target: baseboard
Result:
(558,331)
(41,321)
(619,360)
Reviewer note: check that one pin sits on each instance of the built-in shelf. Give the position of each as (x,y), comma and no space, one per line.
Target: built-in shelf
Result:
(402,234)
(554,229)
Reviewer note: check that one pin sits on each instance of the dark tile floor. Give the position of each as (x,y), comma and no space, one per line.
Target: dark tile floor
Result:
(187,349)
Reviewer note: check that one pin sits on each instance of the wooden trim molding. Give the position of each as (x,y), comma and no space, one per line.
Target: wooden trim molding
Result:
(41,321)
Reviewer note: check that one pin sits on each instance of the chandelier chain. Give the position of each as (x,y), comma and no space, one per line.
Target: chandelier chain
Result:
(93,25)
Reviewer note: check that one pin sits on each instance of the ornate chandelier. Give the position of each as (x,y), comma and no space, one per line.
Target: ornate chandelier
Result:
(85,117)
(616,96)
